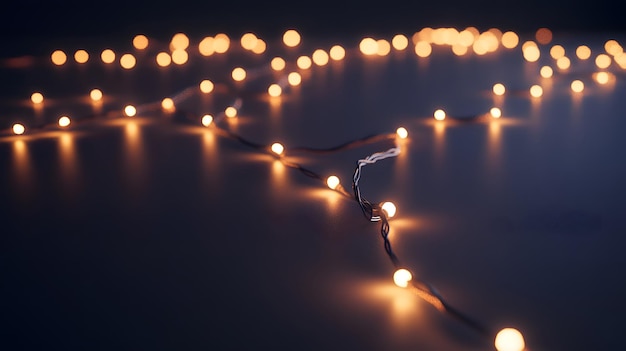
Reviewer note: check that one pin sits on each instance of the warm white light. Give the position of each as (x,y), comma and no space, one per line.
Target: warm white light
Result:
(402,133)
(563,62)
(64,121)
(18,129)
(557,51)
(613,47)
(423,49)
(546,71)
(304,62)
(294,79)
(277,148)
(499,89)
(207,120)
(368,46)
(291,38)
(531,52)
(495,112)
(278,64)
(543,35)
(510,40)
(206,86)
(400,42)
(402,277)
(603,61)
(128,61)
(230,112)
(274,90)
(248,41)
(389,208)
(583,52)
(536,91)
(107,56)
(95,94)
(180,56)
(130,110)
(439,115)
(320,57)
(602,77)
(239,74)
(384,48)
(180,41)
(509,339)
(577,86)
(36,98)
(140,42)
(332,182)
(259,47)
(81,56)
(58,57)
(221,43)
(163,59)
(337,52)
(167,104)
(206,48)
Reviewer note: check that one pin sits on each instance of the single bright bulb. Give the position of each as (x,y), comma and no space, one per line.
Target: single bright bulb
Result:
(402,277)
(509,339)
(207,120)
(206,86)
(291,38)
(130,110)
(546,71)
(277,148)
(440,115)
(402,133)
(64,121)
(332,182)
(294,79)
(238,74)
(499,89)
(36,98)
(95,94)
(274,90)
(230,112)
(536,91)
(18,129)
(495,112)
(167,104)
(577,86)
(389,208)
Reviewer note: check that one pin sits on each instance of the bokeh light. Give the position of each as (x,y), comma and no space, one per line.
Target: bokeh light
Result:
(107,56)
(36,98)
(128,61)
(206,86)
(81,56)
(291,38)
(140,42)
(58,57)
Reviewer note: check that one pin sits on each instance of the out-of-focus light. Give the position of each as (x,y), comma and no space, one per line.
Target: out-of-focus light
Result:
(337,52)
(206,86)
(180,56)
(64,121)
(179,41)
(402,277)
(536,91)
(18,129)
(546,72)
(577,86)
(95,94)
(291,38)
(557,51)
(128,61)
(603,61)
(36,98)
(205,47)
(58,57)
(466,38)
(248,41)
(274,90)
(221,43)
(613,47)
(277,148)
(489,40)
(81,56)
(389,208)
(423,49)
(238,74)
(543,36)
(402,133)
(530,51)
(130,111)
(439,115)
(278,64)
(140,42)
(304,62)
(167,104)
(294,79)
(583,52)
(207,120)
(509,339)
(230,112)
(620,59)
(320,57)
(510,40)
(602,77)
(107,56)
(259,47)
(499,89)
(459,49)
(163,59)
(495,112)
(332,182)
(368,46)
(384,48)
(563,62)
(400,42)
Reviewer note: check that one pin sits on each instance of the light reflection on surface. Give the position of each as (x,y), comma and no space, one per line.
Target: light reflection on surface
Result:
(403,307)
(494,144)
(133,153)
(68,163)
(22,169)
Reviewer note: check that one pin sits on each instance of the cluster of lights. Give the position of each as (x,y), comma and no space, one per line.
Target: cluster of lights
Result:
(423,41)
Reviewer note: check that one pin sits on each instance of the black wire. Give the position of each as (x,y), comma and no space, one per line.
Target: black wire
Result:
(350,144)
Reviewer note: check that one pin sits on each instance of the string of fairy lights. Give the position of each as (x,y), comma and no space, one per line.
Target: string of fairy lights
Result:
(465,42)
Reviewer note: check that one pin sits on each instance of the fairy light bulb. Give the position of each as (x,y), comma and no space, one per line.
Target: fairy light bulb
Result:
(368,46)
(294,79)
(337,53)
(107,56)
(402,133)
(207,120)
(206,86)
(602,77)
(277,148)
(238,74)
(140,42)
(400,42)
(163,59)
(546,71)
(332,182)
(81,56)
(36,98)
(291,38)
(64,121)
(167,104)
(130,111)
(402,277)
(274,90)
(495,112)
(95,94)
(278,64)
(58,57)
(439,115)
(499,89)
(128,61)
(536,91)
(577,86)
(509,339)
(304,62)
(230,112)
(18,129)
(389,208)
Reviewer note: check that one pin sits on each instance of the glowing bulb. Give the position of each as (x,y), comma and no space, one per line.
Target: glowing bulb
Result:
(64,121)
(163,59)
(583,52)
(603,61)
(320,57)
(130,110)
(543,35)
(389,208)
(221,43)
(167,104)
(294,79)
(207,120)
(531,53)
(400,42)
(81,56)
(107,56)
(230,112)
(206,47)
(509,339)
(510,40)
(291,38)
(536,91)
(180,41)
(95,94)
(36,98)
(140,42)
(439,115)
(277,148)
(18,129)
(495,112)
(423,49)
(238,74)
(499,89)
(274,90)
(278,64)
(259,47)
(557,51)
(563,62)
(368,46)
(577,86)
(248,41)
(206,86)
(402,133)
(128,61)
(332,182)
(602,77)
(613,47)
(546,71)
(304,62)
(180,56)
(384,48)
(337,53)
(402,277)
(58,57)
